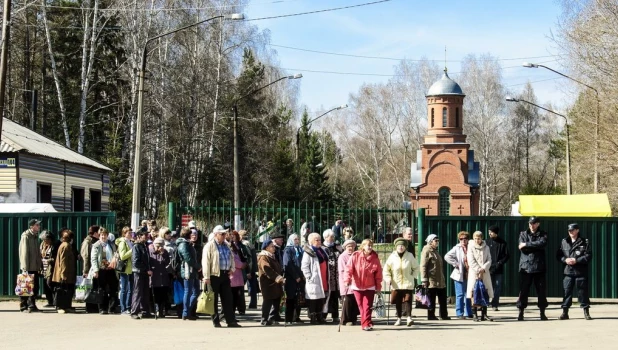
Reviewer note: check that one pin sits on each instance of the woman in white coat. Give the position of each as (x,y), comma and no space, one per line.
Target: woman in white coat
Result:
(479,260)
(458,259)
(315,269)
(399,271)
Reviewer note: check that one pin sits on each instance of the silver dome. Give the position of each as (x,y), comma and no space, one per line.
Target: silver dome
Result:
(445,86)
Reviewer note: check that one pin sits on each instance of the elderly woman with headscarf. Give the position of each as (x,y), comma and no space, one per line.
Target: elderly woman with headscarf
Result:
(294,279)
(158,259)
(49,249)
(334,250)
(65,273)
(314,265)
(432,277)
(103,273)
(364,275)
(400,270)
(349,310)
(479,258)
(458,258)
(271,282)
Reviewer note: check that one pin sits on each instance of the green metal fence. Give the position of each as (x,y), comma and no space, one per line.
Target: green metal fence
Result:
(601,232)
(12,226)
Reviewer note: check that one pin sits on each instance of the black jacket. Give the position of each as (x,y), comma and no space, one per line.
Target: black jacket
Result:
(499,255)
(140,258)
(580,250)
(532,258)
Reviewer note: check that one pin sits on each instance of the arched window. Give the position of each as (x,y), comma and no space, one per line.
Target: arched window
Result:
(432,117)
(444,117)
(457,117)
(444,201)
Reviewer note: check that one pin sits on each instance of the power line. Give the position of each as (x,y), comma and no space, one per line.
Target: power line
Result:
(396,59)
(165,9)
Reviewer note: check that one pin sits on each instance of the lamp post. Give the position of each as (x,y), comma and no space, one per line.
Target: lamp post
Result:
(298,142)
(598,117)
(135,207)
(568,147)
(235,124)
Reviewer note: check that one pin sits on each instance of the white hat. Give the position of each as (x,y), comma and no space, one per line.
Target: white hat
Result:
(191,224)
(218,229)
(430,238)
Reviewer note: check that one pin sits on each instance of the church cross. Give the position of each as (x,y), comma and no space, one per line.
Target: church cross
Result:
(460,208)
(428,207)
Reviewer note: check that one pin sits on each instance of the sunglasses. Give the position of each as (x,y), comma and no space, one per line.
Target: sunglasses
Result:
(463,239)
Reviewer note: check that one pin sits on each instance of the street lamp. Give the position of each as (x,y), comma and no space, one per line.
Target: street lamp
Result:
(298,142)
(135,207)
(598,117)
(568,147)
(236,171)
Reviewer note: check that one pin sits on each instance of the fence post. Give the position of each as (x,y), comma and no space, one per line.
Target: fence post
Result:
(420,223)
(171,215)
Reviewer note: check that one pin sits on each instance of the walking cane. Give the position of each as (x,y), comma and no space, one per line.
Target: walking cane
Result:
(156,314)
(341,319)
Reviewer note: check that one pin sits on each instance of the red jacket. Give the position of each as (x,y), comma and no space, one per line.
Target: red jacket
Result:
(363,271)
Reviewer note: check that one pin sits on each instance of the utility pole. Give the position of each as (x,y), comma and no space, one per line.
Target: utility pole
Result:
(6,25)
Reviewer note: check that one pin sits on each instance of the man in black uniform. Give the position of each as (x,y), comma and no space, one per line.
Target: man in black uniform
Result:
(575,254)
(532,267)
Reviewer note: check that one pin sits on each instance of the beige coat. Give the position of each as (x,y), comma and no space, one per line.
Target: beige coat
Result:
(401,272)
(479,258)
(432,267)
(210,260)
(29,253)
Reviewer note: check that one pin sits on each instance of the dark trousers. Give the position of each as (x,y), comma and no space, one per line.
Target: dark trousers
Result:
(402,298)
(160,297)
(48,289)
(432,293)
(30,302)
(252,285)
(267,306)
(568,283)
(315,307)
(333,304)
(497,280)
(108,284)
(292,309)
(222,288)
(349,311)
(526,280)
(141,294)
(63,295)
(238,299)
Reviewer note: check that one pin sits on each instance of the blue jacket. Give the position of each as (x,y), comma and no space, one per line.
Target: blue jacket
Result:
(292,271)
(188,257)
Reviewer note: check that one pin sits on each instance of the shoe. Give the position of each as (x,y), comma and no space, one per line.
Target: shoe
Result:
(234,325)
(475,317)
(102,312)
(484,316)
(432,318)
(49,305)
(398,322)
(370,327)
(366,329)
(288,323)
(409,322)
(496,309)
(349,323)
(147,315)
(69,310)
(521,315)
(564,315)
(336,320)
(135,317)
(61,311)
(266,323)
(462,317)
(587,314)
(126,312)
(445,318)
(33,309)
(543,317)
(298,320)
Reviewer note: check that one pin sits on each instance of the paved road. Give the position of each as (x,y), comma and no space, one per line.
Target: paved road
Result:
(49,330)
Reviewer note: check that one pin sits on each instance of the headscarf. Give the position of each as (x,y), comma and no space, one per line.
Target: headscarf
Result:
(296,247)
(430,238)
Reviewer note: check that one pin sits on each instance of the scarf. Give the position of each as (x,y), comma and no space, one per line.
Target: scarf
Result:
(465,261)
(320,254)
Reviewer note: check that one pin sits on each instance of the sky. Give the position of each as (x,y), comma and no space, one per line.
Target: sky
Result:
(514,31)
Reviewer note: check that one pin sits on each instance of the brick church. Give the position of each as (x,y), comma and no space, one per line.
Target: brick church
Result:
(445,177)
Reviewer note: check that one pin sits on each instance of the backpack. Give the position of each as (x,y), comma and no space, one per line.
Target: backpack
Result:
(175,262)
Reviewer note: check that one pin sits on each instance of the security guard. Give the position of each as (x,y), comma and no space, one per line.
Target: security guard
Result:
(532,267)
(575,254)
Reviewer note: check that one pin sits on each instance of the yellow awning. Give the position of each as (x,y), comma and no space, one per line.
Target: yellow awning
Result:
(577,205)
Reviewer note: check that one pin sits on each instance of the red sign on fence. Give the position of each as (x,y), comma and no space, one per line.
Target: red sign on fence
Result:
(185,220)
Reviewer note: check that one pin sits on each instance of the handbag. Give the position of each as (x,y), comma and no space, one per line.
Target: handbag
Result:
(121,265)
(206,302)
(300,298)
(62,299)
(94,296)
(179,292)
(480,296)
(82,286)
(24,287)
(421,297)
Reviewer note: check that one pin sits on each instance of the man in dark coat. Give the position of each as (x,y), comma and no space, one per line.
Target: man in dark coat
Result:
(532,266)
(499,257)
(575,254)
(277,239)
(140,265)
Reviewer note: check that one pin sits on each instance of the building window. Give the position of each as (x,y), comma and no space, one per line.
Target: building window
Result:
(432,117)
(444,117)
(444,201)
(95,200)
(77,199)
(457,117)
(43,193)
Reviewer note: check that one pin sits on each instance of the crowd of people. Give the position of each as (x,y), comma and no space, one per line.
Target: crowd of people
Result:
(144,272)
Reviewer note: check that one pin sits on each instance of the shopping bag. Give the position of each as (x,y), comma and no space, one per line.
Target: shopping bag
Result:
(82,285)
(421,298)
(206,302)
(300,298)
(179,292)
(480,296)
(24,287)
(379,308)
(94,296)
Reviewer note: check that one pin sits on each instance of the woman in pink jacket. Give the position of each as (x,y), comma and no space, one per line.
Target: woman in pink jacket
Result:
(349,310)
(363,275)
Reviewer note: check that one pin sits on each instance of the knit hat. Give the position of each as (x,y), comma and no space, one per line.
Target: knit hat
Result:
(430,238)
(266,243)
(348,241)
(159,241)
(401,241)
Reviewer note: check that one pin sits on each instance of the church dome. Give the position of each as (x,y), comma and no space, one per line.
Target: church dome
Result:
(445,86)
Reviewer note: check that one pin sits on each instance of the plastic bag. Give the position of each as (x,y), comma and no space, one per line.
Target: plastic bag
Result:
(421,297)
(82,286)
(480,296)
(379,308)
(24,287)
(179,292)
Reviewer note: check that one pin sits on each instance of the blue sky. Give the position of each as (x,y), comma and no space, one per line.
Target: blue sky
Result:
(410,29)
